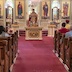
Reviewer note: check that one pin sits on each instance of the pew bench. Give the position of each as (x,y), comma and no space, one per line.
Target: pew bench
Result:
(4,62)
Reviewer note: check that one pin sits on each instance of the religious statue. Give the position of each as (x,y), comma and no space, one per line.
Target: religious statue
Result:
(45,9)
(20,11)
(65,9)
(33,18)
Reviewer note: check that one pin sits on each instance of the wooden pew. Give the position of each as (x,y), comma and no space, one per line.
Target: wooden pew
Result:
(59,35)
(12,47)
(14,36)
(14,43)
(3,57)
(63,45)
(55,41)
(9,49)
(69,54)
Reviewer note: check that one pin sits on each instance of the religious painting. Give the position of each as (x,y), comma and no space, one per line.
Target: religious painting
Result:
(1,9)
(19,9)
(65,9)
(45,9)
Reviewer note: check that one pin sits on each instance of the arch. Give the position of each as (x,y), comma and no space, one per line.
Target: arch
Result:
(9,3)
(55,10)
(9,10)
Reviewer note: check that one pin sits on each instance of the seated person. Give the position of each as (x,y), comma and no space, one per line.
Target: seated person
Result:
(69,34)
(33,17)
(3,33)
(63,29)
(11,30)
(67,24)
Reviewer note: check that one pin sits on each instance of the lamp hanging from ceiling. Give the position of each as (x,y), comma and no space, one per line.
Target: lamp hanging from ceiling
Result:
(34,3)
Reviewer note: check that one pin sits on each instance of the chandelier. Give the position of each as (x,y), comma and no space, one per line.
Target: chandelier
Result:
(34,3)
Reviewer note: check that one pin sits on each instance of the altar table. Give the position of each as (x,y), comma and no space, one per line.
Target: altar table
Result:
(33,33)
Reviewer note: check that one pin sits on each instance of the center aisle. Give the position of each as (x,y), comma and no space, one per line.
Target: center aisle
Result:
(37,56)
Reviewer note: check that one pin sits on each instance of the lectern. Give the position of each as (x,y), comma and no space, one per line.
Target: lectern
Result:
(51,29)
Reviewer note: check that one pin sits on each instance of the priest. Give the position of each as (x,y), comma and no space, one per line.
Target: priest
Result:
(33,18)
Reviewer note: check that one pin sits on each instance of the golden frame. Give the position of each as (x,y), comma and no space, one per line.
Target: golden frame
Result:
(23,7)
(68,13)
(1,9)
(42,14)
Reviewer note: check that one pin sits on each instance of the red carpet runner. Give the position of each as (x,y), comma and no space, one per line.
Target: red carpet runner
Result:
(37,56)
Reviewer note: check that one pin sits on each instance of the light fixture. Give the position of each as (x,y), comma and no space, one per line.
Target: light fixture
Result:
(9,3)
(34,3)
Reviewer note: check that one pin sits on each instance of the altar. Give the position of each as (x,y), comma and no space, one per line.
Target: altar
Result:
(33,33)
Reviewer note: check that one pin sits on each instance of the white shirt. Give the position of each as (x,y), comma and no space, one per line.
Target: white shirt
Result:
(68,34)
(4,34)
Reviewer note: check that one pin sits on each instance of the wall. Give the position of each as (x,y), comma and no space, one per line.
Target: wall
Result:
(26,11)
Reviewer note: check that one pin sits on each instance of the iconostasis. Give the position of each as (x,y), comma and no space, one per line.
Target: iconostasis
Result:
(19,10)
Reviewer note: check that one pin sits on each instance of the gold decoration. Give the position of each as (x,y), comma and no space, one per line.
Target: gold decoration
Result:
(33,34)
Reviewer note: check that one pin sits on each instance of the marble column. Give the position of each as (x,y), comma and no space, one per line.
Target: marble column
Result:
(71,12)
(4,14)
(50,10)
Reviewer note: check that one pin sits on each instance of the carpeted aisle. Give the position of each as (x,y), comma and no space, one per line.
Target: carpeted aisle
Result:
(37,56)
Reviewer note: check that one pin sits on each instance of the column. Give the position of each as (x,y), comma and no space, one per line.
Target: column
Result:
(70,11)
(4,14)
(51,10)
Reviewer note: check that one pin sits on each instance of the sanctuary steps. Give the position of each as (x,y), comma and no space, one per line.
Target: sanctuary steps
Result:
(22,32)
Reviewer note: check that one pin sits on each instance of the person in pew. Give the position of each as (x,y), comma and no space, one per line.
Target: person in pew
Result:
(63,29)
(11,30)
(69,34)
(3,33)
(67,24)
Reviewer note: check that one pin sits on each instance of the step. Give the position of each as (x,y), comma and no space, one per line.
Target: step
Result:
(22,33)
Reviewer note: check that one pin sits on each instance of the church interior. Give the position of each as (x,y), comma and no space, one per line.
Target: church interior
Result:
(35,36)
